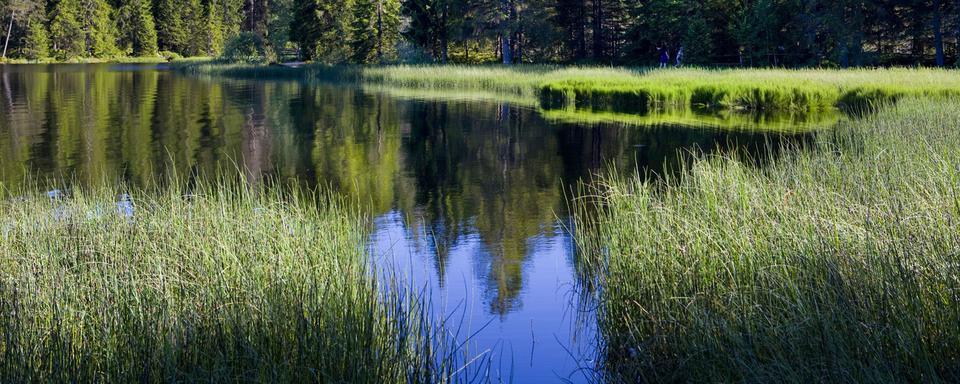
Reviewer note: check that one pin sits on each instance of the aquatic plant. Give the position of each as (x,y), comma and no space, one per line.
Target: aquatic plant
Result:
(833,263)
(807,90)
(218,282)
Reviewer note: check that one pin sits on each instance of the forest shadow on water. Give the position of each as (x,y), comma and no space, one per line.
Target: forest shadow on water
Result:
(468,197)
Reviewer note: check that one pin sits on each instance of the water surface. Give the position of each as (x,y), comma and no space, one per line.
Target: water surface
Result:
(469,197)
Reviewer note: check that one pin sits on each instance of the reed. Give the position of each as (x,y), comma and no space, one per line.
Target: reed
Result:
(807,90)
(836,263)
(218,282)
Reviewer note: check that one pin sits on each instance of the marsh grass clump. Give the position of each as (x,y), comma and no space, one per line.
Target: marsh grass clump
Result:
(221,282)
(807,90)
(515,81)
(838,263)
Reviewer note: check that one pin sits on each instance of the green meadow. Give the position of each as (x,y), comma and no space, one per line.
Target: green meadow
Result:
(218,282)
(833,263)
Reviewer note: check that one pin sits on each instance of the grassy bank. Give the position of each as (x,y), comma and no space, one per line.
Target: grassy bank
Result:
(97,60)
(808,90)
(612,93)
(642,90)
(837,264)
(224,283)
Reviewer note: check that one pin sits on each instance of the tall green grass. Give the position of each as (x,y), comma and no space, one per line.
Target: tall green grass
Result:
(807,90)
(221,282)
(838,263)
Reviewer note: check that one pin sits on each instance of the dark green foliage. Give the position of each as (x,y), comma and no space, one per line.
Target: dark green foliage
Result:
(99,28)
(137,28)
(322,29)
(363,32)
(66,30)
(36,42)
(696,42)
(305,28)
(248,47)
(374,31)
(428,26)
(781,33)
(171,34)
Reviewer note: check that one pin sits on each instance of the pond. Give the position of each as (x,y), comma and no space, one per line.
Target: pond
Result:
(469,198)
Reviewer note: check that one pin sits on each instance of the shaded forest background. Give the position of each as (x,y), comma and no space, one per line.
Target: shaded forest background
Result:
(712,32)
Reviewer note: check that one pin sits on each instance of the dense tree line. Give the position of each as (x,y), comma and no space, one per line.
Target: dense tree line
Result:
(724,32)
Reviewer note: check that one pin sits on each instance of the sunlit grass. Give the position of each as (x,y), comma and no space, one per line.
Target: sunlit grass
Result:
(753,89)
(218,282)
(839,263)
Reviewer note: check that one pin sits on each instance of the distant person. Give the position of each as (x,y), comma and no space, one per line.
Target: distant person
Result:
(680,57)
(664,56)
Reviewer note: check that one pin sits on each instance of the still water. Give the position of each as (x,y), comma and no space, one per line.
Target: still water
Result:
(469,197)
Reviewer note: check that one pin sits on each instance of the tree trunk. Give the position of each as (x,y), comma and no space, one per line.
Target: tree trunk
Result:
(581,30)
(505,49)
(957,9)
(380,31)
(515,28)
(443,35)
(506,42)
(598,42)
(9,31)
(938,31)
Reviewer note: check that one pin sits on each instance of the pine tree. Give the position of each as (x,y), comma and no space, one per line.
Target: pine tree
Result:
(428,25)
(305,28)
(36,44)
(319,27)
(195,19)
(387,25)
(18,14)
(278,23)
(214,30)
(362,32)
(137,29)
(99,29)
(67,36)
(374,31)
(171,31)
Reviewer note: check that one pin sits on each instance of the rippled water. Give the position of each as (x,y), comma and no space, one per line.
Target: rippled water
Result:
(468,196)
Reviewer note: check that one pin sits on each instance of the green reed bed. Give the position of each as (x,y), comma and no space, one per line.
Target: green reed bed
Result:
(839,263)
(516,81)
(753,89)
(224,283)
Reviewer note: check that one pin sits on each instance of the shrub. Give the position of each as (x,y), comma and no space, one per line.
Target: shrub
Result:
(170,56)
(248,47)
